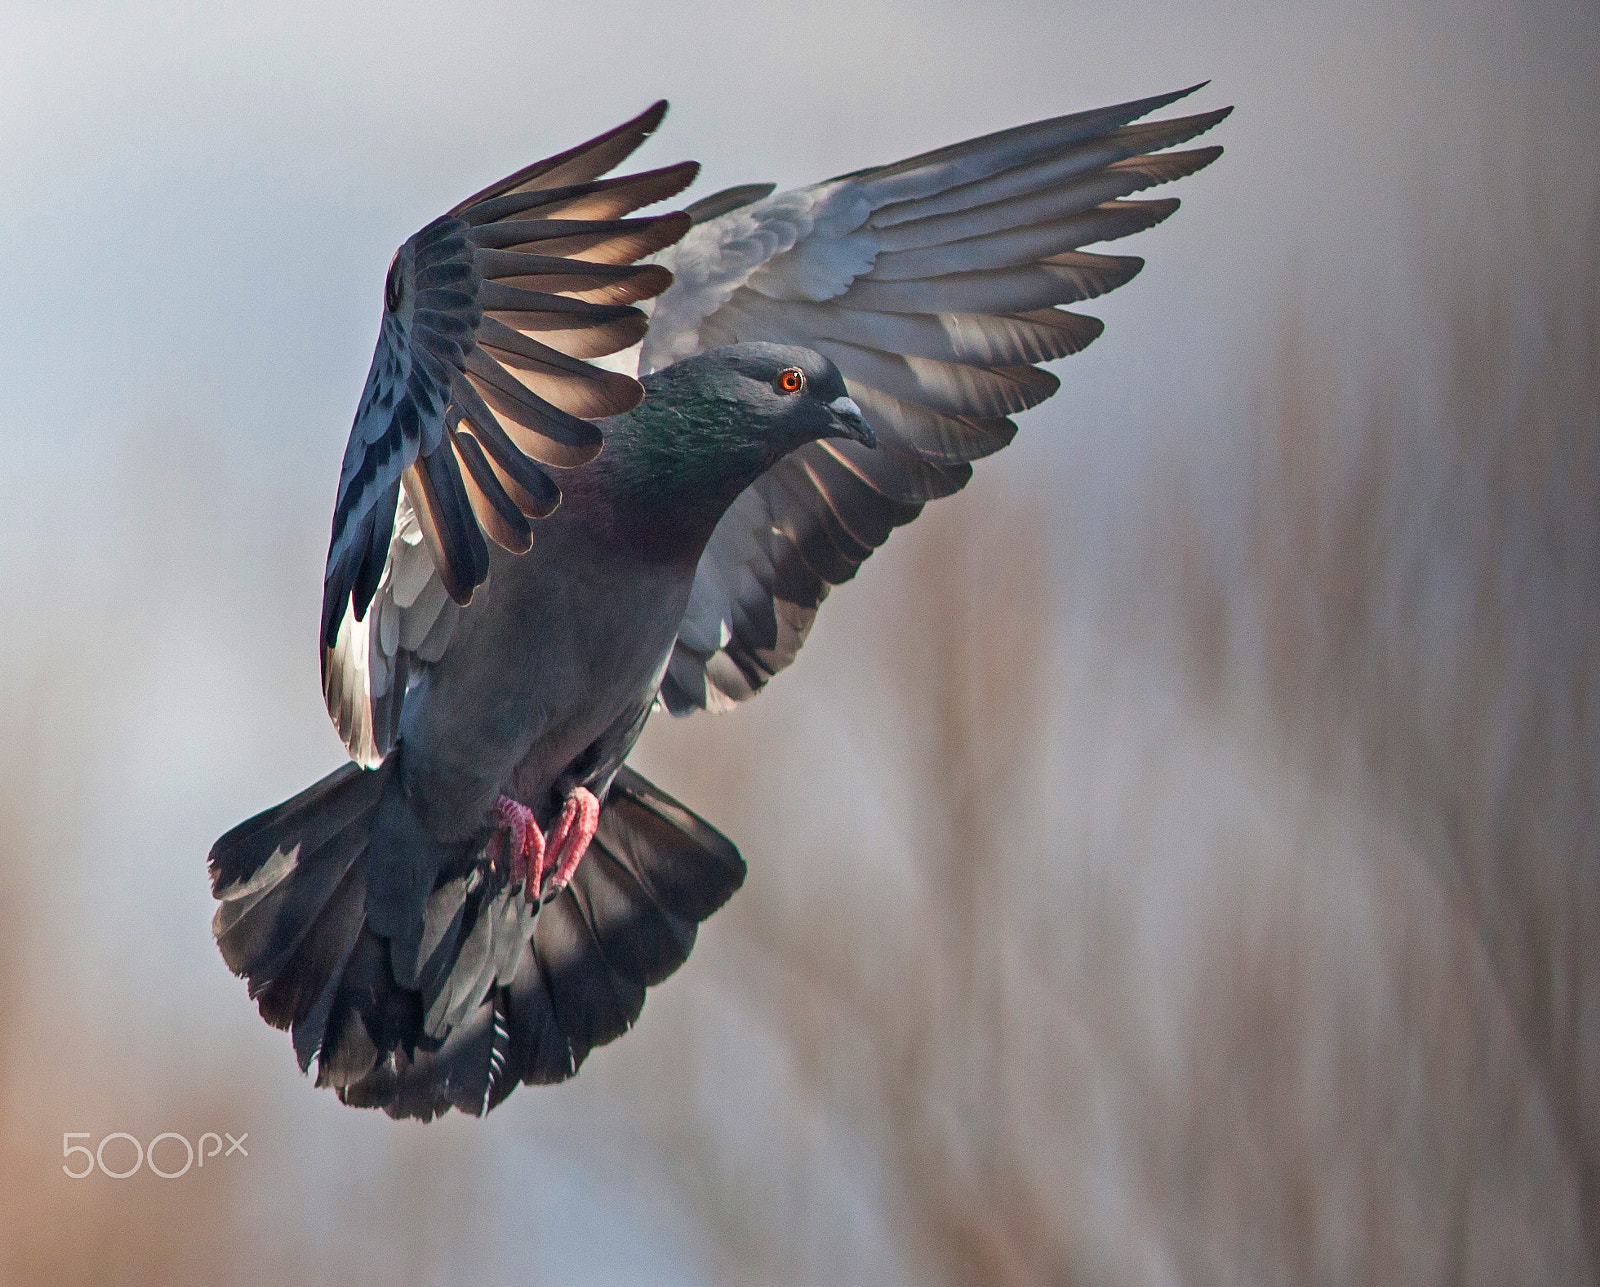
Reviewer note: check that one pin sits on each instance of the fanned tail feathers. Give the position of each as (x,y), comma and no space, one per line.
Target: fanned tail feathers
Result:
(489,994)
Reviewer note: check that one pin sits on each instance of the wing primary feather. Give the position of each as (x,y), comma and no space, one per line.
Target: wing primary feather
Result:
(867,514)
(442,248)
(447,473)
(500,516)
(443,514)
(497,335)
(720,203)
(926,434)
(556,437)
(564,274)
(953,388)
(1052,170)
(441,229)
(977,338)
(578,164)
(1017,247)
(575,338)
(828,547)
(898,476)
(652,236)
(377,552)
(980,157)
(336,593)
(600,199)
(498,297)
(529,486)
(1044,205)
(608,285)
(576,387)
(628,239)
(1066,278)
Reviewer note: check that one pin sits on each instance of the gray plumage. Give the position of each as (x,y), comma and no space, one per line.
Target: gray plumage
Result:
(530,552)
(934,284)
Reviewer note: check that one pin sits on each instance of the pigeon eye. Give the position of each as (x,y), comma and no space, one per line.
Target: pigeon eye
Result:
(790,380)
(391,287)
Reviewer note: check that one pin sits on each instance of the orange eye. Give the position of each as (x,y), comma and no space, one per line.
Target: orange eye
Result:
(790,380)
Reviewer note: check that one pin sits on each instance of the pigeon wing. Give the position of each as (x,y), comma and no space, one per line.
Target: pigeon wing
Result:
(935,284)
(481,380)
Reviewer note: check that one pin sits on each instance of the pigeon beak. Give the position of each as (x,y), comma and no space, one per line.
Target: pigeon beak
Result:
(852,421)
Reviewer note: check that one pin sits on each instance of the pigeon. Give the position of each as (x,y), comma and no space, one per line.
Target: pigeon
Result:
(606,464)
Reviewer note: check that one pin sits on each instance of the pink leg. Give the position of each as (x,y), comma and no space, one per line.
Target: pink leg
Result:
(569,838)
(525,841)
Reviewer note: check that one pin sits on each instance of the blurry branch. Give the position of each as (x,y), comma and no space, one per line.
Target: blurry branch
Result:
(1426,588)
(978,613)
(933,1026)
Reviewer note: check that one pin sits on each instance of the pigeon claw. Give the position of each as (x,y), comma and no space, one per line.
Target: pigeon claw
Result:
(569,839)
(543,865)
(524,841)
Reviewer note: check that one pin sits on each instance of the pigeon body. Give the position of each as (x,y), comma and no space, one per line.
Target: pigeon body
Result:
(531,552)
(552,669)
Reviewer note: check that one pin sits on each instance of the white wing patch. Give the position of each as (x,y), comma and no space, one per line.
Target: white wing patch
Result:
(375,660)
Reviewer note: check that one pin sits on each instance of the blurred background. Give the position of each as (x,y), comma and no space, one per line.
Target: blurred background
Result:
(1172,860)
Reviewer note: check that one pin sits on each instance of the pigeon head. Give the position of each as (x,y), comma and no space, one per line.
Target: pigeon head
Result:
(791,395)
(712,424)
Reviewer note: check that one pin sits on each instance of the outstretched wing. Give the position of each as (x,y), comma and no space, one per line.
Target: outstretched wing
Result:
(480,380)
(934,284)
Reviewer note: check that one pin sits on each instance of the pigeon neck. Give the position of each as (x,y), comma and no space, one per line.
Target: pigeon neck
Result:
(671,467)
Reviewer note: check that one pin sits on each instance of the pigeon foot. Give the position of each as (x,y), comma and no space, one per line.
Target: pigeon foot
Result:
(569,839)
(524,842)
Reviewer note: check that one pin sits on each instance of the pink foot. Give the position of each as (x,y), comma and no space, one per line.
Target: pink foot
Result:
(569,838)
(525,843)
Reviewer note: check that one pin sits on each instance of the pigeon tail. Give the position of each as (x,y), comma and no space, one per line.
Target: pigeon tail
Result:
(416,1002)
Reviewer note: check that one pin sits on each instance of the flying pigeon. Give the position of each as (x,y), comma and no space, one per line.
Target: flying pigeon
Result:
(531,552)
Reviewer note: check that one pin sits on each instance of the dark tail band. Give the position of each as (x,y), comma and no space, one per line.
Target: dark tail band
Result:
(484,993)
